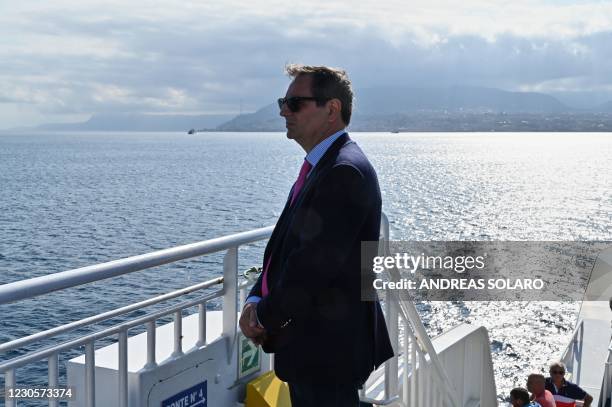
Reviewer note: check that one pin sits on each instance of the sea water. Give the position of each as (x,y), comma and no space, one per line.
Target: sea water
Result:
(69,200)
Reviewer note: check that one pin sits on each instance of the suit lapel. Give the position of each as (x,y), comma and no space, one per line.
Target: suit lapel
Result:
(320,168)
(280,230)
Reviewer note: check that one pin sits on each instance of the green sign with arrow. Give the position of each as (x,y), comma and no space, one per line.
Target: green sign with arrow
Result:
(249,357)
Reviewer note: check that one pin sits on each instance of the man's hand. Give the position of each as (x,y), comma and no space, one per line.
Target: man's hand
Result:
(249,325)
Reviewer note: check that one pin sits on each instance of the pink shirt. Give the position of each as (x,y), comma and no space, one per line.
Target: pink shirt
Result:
(546,399)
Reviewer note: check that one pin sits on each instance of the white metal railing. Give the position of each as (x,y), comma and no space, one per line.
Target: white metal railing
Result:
(607,387)
(573,351)
(427,384)
(34,287)
(424,382)
(573,354)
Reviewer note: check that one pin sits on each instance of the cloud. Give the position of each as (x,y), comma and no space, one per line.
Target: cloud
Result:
(69,57)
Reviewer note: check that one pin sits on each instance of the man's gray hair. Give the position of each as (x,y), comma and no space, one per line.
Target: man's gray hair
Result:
(327,83)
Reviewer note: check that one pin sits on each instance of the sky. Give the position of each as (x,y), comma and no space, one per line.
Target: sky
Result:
(64,60)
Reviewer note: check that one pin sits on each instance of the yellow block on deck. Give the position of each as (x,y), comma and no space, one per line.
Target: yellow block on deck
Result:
(267,391)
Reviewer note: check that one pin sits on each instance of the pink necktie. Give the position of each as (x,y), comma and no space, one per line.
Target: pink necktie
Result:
(297,187)
(300,181)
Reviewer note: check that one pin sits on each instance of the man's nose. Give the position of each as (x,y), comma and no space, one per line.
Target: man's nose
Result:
(284,110)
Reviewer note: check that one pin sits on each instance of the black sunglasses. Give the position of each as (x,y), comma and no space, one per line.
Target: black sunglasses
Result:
(557,372)
(294,103)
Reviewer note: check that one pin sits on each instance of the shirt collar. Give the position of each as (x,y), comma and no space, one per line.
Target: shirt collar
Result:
(563,384)
(315,155)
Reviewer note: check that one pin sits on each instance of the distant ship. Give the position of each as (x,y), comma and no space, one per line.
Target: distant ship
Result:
(191,131)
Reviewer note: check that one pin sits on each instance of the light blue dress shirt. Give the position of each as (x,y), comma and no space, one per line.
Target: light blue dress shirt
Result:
(315,155)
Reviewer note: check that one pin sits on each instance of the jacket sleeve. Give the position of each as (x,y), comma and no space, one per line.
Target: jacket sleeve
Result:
(327,229)
(256,289)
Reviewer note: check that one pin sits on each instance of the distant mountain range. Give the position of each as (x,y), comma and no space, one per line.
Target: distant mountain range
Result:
(381,108)
(448,109)
(457,98)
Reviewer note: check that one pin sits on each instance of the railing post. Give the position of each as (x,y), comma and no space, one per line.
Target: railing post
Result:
(427,386)
(410,312)
(9,381)
(405,382)
(413,366)
(151,363)
(391,364)
(201,325)
(578,366)
(230,297)
(53,376)
(123,369)
(242,298)
(605,392)
(178,335)
(90,374)
(421,379)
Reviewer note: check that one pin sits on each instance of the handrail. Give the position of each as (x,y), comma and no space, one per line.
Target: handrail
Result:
(573,346)
(5,347)
(43,353)
(410,314)
(429,366)
(573,352)
(37,286)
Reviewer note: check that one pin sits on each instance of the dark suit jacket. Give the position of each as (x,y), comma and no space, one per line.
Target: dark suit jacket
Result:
(318,327)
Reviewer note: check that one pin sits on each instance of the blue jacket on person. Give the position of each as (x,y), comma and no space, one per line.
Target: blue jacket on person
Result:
(318,327)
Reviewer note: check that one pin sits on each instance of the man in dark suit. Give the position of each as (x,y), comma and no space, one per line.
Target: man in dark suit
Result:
(306,306)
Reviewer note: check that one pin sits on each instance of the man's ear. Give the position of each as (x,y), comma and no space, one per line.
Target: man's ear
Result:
(334,109)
